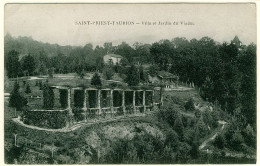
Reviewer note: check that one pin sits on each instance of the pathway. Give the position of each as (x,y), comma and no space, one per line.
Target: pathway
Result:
(81,124)
(223,123)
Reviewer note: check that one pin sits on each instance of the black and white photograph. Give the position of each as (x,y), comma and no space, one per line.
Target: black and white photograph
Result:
(129,83)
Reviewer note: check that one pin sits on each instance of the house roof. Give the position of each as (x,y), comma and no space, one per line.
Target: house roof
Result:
(114,55)
(164,74)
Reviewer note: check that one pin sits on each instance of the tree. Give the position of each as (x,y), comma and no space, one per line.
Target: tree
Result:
(247,65)
(132,77)
(28,89)
(108,72)
(95,80)
(63,98)
(48,97)
(28,64)
(50,72)
(189,105)
(178,126)
(13,65)
(152,70)
(219,141)
(16,99)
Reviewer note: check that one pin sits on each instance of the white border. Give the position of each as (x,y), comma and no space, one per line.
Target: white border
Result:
(3,2)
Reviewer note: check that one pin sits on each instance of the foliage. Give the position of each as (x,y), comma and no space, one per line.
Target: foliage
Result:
(82,74)
(12,64)
(132,78)
(46,119)
(172,140)
(78,116)
(95,80)
(201,128)
(28,64)
(28,89)
(237,139)
(219,141)
(249,136)
(63,98)
(178,126)
(48,97)
(168,114)
(16,99)
(78,98)
(108,73)
(13,154)
(152,70)
(50,72)
(189,105)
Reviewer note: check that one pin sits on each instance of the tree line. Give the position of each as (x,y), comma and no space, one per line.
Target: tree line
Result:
(224,73)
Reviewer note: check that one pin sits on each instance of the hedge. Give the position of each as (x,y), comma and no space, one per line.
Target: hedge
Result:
(46,119)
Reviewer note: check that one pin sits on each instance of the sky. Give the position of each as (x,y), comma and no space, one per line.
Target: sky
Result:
(63,23)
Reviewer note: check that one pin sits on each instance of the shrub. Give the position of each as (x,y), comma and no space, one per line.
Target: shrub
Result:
(48,97)
(28,89)
(178,126)
(189,105)
(96,81)
(108,73)
(172,139)
(201,128)
(250,136)
(184,152)
(16,99)
(133,77)
(168,114)
(78,98)
(236,140)
(63,98)
(219,141)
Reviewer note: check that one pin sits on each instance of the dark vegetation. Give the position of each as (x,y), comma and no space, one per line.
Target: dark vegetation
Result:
(223,74)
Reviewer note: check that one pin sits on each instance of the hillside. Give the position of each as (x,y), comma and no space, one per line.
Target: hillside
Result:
(25,45)
(168,135)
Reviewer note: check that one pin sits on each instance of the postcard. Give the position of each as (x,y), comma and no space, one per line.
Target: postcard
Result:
(129,83)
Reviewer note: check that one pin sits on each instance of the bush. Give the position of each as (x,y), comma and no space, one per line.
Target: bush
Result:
(219,141)
(201,128)
(184,152)
(133,77)
(236,140)
(46,119)
(48,97)
(63,98)
(78,98)
(96,81)
(108,73)
(249,136)
(172,139)
(168,114)
(16,99)
(189,105)
(178,126)
(28,89)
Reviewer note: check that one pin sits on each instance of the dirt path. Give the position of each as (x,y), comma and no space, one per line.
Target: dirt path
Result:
(229,154)
(80,124)
(223,123)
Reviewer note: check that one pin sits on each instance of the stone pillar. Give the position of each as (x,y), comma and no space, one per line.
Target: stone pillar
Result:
(123,101)
(134,102)
(144,101)
(69,107)
(111,102)
(153,99)
(98,103)
(85,105)
(161,96)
